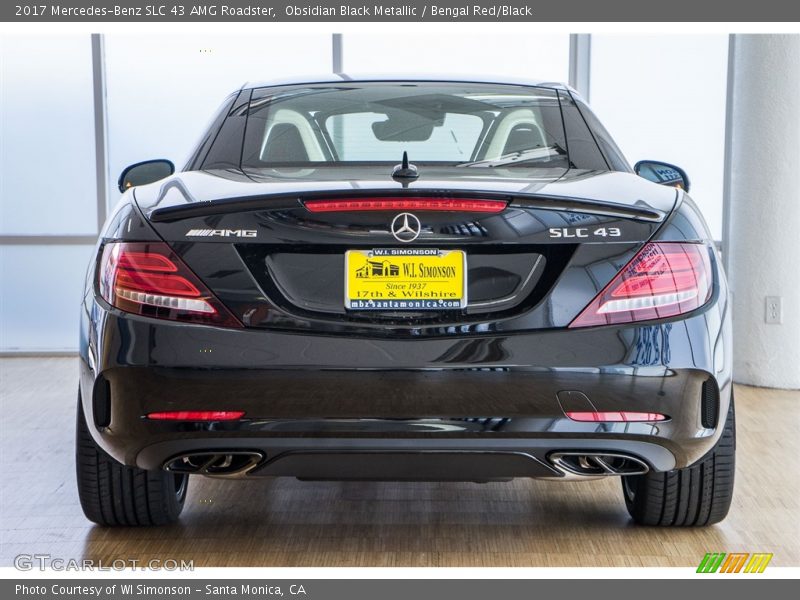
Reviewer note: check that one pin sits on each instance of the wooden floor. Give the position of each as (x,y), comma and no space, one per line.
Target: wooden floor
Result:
(285,522)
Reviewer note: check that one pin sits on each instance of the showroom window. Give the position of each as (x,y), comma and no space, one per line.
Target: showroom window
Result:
(664,98)
(48,174)
(150,114)
(542,57)
(47,126)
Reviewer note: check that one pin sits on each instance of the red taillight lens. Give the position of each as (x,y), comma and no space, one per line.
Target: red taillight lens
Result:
(624,416)
(663,280)
(411,203)
(156,283)
(197,415)
(148,278)
(146,261)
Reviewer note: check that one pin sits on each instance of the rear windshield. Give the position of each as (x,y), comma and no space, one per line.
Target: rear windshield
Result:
(453,124)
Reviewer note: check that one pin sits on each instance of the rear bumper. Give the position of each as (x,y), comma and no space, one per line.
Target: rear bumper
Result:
(475,407)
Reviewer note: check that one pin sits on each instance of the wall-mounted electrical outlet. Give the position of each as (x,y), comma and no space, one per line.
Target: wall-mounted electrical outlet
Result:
(774,310)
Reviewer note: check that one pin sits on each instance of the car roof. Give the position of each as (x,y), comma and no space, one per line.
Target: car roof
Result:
(372,77)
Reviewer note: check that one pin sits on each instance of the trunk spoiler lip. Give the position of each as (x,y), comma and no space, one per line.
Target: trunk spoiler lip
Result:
(288,201)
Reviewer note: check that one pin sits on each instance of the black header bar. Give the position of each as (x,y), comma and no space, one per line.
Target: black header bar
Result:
(438,11)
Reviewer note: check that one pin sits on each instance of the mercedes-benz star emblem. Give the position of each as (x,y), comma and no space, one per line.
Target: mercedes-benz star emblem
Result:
(406,227)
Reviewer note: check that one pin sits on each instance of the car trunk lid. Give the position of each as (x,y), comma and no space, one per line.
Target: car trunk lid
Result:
(256,240)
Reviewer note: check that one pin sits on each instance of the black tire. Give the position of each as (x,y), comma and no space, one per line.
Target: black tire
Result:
(695,496)
(114,494)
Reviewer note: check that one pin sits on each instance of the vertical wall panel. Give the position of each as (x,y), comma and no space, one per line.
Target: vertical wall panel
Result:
(765,209)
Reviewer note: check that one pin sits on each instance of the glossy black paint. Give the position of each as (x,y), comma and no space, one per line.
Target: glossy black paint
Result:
(273,208)
(502,389)
(315,378)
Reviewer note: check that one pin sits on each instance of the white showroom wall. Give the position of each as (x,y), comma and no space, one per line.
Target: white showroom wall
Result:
(663,97)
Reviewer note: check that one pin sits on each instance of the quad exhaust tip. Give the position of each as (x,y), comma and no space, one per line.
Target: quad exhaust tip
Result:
(219,464)
(598,464)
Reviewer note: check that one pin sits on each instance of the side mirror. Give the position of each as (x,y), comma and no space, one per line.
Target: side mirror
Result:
(145,172)
(662,173)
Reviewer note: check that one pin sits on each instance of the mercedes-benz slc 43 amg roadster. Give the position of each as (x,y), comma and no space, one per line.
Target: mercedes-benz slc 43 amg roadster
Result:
(405,279)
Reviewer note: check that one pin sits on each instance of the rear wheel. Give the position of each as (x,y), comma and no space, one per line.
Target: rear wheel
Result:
(695,496)
(115,494)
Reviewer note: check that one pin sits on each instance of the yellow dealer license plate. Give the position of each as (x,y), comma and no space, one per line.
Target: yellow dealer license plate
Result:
(405,279)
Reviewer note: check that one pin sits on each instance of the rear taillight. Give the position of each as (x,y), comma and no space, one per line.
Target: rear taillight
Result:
(409,203)
(148,278)
(663,280)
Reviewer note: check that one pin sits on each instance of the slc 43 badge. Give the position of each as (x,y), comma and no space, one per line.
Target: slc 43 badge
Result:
(584,232)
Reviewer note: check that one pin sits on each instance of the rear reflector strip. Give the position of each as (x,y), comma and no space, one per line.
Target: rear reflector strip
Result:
(615,416)
(412,203)
(197,415)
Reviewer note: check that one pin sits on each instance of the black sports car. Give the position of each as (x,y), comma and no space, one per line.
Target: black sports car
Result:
(405,279)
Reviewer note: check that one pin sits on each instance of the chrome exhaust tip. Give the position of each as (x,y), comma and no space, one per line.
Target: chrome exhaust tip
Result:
(215,464)
(598,464)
